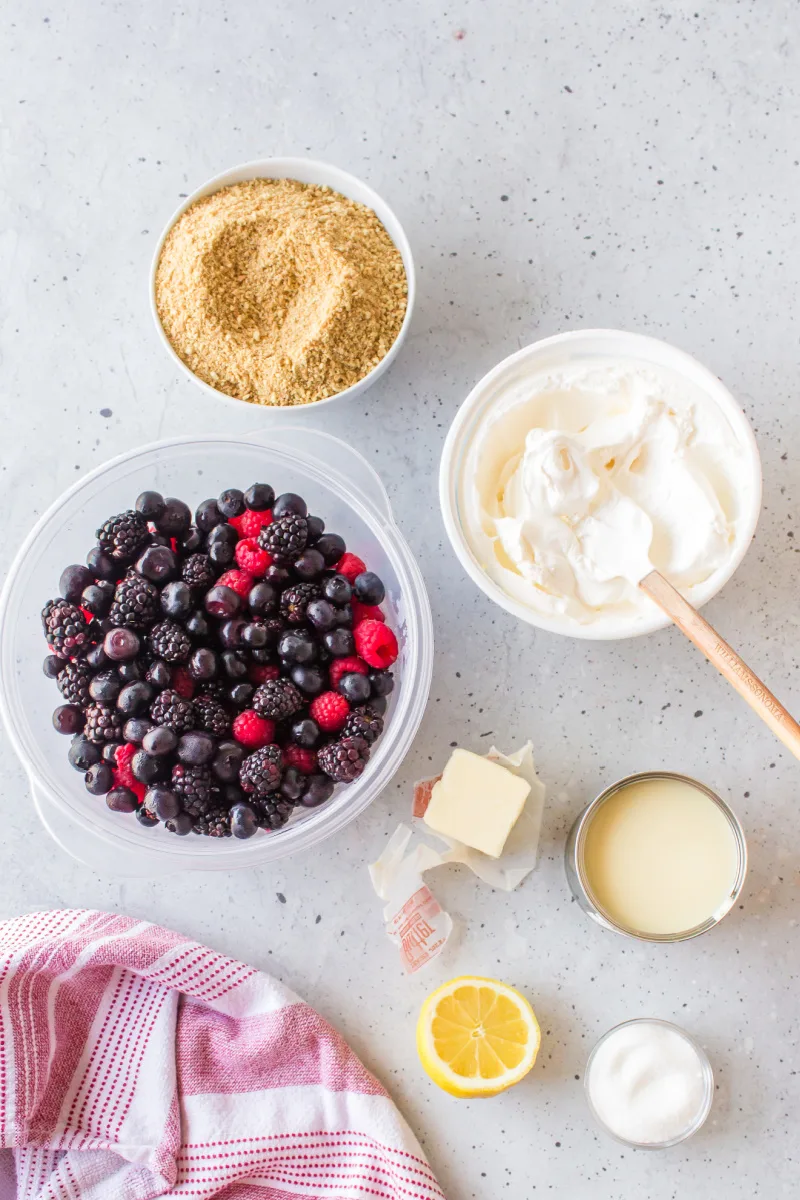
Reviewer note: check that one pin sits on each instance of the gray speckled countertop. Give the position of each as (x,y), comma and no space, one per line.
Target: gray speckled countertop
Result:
(557,165)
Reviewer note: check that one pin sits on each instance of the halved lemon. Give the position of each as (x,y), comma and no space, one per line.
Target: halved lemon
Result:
(477,1037)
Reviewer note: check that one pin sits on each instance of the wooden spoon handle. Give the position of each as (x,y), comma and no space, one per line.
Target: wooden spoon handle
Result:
(725,659)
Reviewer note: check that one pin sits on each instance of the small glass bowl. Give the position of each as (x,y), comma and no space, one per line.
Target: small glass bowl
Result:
(708,1079)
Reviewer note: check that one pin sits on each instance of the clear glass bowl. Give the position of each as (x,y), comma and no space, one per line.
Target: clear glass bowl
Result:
(342,488)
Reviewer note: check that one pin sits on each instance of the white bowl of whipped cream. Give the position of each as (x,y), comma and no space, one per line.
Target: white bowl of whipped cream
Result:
(585,455)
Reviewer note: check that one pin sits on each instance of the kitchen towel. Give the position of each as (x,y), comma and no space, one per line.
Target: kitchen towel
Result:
(135,1063)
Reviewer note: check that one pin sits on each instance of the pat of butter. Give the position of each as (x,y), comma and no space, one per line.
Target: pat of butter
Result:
(476,802)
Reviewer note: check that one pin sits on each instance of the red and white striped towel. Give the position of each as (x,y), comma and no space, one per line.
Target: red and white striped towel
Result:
(135,1063)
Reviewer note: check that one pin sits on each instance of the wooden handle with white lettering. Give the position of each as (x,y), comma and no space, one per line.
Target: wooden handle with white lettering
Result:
(725,659)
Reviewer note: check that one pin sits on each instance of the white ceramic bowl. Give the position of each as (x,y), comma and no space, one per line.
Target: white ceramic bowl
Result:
(306,170)
(555,353)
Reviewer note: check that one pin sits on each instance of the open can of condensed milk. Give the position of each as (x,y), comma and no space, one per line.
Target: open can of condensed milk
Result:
(657,856)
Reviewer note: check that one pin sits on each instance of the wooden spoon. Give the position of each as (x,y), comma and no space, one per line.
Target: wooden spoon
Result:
(724,658)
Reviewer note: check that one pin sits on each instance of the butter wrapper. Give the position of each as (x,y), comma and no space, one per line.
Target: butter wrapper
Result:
(414,920)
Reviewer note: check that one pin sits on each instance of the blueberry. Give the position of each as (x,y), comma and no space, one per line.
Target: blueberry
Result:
(52,665)
(243,821)
(196,625)
(97,658)
(105,687)
(97,597)
(231,503)
(254,636)
(158,741)
(68,718)
(146,768)
(73,581)
(316,528)
(161,803)
(354,688)
(157,564)
(297,646)
(306,733)
(277,575)
(135,698)
(122,799)
(208,516)
(381,682)
(182,824)
(136,729)
(159,674)
(99,779)
(321,614)
(203,664)
(101,565)
(338,590)
(196,749)
(230,635)
(310,680)
(224,534)
(261,654)
(192,540)
(289,504)
(309,565)
(240,694)
(150,505)
(231,794)
(378,705)
(222,602)
(293,784)
(109,753)
(175,519)
(331,547)
(176,600)
(320,789)
(227,762)
(340,642)
(234,666)
(368,588)
(129,671)
(259,497)
(83,753)
(121,644)
(344,616)
(263,599)
(145,818)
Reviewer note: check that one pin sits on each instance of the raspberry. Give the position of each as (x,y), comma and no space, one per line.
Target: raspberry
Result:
(376,644)
(182,683)
(346,666)
(123,775)
(350,565)
(251,558)
(253,731)
(249,523)
(304,760)
(330,710)
(262,672)
(366,612)
(239,581)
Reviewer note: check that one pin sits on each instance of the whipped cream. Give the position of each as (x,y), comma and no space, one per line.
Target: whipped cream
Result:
(580,481)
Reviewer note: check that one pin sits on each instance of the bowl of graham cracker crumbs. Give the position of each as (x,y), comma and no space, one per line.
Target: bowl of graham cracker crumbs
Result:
(282,283)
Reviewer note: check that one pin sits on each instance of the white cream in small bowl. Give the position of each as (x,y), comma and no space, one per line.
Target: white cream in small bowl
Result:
(586,460)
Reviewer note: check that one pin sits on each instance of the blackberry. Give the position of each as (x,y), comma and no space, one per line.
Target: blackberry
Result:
(198,571)
(170,641)
(172,710)
(344,760)
(192,786)
(295,600)
(215,821)
(272,812)
(124,535)
(73,683)
(285,539)
(261,771)
(136,603)
(277,699)
(363,723)
(64,627)
(211,716)
(214,689)
(103,724)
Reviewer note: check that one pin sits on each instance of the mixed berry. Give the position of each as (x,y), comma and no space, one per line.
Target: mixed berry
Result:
(218,670)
